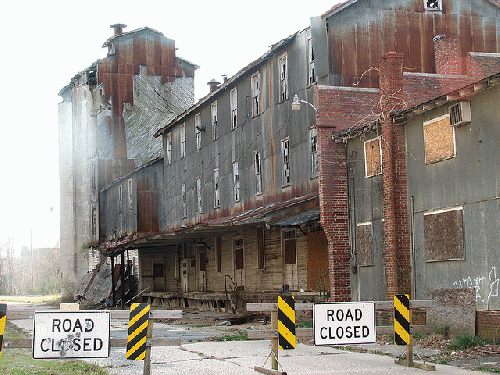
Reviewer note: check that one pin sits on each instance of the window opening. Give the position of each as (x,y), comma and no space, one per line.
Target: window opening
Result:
(285,149)
(283,77)
(261,248)
(313,137)
(312,73)
(218,249)
(216,189)
(238,253)
(169,148)
(234,108)
(183,141)
(236,182)
(129,191)
(255,82)
(258,174)
(184,201)
(199,195)
(215,127)
(197,131)
(289,246)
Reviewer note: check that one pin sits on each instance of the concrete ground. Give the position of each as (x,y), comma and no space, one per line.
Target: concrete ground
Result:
(240,357)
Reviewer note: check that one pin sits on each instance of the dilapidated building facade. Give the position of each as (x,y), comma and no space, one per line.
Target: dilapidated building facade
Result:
(251,198)
(107,119)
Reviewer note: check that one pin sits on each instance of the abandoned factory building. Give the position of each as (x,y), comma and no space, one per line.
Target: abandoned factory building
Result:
(349,193)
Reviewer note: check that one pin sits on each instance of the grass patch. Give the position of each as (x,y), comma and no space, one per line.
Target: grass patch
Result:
(466,341)
(13,332)
(20,362)
(304,324)
(240,336)
(487,369)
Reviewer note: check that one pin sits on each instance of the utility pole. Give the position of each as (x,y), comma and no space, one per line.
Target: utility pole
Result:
(32,263)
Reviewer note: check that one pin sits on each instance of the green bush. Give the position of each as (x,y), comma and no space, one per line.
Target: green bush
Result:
(465,342)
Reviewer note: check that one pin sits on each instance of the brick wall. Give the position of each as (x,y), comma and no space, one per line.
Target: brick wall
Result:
(338,108)
(396,223)
(447,56)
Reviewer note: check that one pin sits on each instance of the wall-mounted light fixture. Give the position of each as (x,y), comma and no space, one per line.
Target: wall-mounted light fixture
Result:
(296,104)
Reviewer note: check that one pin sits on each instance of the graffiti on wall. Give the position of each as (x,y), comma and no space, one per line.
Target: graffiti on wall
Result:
(486,287)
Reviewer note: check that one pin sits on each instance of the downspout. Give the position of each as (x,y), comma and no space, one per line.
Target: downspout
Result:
(412,249)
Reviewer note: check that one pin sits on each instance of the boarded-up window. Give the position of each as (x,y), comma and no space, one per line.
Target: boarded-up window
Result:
(238,253)
(439,139)
(364,244)
(444,235)
(373,157)
(290,247)
(261,247)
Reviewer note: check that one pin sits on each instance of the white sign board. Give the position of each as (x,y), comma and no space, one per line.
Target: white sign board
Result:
(344,323)
(71,334)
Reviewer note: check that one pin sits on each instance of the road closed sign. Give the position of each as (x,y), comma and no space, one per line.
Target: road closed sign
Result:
(71,334)
(344,323)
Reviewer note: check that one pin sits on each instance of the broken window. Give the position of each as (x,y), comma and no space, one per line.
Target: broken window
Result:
(433,5)
(364,244)
(312,73)
(285,150)
(373,157)
(169,148)
(183,141)
(255,82)
(444,235)
(215,127)
(236,182)
(197,131)
(439,139)
(261,248)
(216,189)
(313,138)
(289,246)
(234,108)
(282,62)
(184,201)
(258,174)
(199,195)
(238,253)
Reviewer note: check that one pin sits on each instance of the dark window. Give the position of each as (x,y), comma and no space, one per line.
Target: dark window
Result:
(158,270)
(261,247)
(238,253)
(218,248)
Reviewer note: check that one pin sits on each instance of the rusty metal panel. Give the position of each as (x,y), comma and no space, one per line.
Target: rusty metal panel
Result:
(147,205)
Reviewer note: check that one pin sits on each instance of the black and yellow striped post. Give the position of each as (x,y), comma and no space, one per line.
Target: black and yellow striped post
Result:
(402,319)
(137,331)
(286,322)
(3,318)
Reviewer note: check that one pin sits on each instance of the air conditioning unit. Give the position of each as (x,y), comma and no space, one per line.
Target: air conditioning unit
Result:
(460,113)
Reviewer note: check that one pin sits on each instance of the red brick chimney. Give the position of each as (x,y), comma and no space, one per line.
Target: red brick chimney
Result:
(447,56)
(213,84)
(118,28)
(396,223)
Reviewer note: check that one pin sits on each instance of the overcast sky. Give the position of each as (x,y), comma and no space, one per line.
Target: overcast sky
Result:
(44,44)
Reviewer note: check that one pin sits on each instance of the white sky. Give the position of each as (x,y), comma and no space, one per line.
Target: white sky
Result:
(45,43)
